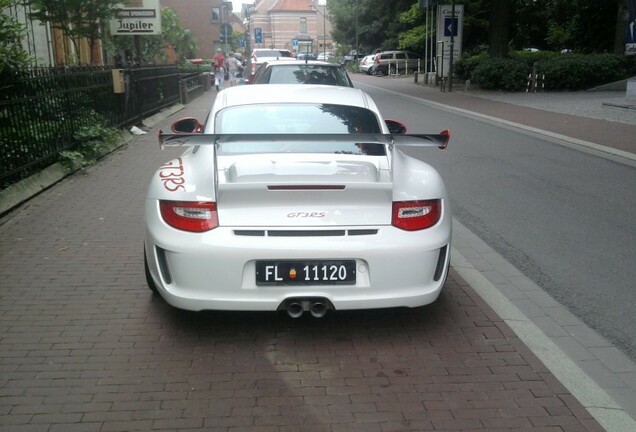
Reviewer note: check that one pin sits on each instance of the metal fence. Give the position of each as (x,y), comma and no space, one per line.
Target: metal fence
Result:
(41,109)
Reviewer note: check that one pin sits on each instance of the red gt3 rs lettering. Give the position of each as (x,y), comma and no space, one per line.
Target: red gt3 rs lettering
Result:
(306,215)
(171,175)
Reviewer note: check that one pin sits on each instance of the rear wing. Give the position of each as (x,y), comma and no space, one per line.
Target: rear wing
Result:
(413,140)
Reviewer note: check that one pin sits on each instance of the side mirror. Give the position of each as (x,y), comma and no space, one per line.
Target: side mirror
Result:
(187,125)
(395,127)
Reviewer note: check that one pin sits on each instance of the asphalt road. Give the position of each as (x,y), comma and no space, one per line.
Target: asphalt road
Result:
(563,217)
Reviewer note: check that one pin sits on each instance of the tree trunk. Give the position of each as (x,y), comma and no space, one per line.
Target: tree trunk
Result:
(500,13)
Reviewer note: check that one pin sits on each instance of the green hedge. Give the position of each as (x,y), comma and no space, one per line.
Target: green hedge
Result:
(562,71)
(580,72)
(501,74)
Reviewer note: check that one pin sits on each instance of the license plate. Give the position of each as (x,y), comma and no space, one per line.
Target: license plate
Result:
(323,272)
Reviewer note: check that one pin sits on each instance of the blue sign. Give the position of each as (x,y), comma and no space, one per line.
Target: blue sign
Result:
(295,42)
(448,22)
(258,35)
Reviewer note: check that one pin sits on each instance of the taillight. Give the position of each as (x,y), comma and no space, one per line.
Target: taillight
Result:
(192,216)
(416,215)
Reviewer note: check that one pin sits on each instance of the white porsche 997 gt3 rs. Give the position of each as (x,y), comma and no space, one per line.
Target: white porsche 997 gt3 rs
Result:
(296,198)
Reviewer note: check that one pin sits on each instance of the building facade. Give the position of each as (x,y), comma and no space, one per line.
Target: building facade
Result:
(49,46)
(206,19)
(297,25)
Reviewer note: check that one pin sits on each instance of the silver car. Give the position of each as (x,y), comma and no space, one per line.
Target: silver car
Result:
(392,62)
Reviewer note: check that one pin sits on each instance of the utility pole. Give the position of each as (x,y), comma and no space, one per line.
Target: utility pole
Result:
(357,48)
(452,43)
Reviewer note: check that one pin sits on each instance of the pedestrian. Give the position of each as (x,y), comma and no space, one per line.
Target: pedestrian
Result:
(219,69)
(233,67)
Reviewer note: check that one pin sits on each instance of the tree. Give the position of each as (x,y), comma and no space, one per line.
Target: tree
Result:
(77,19)
(12,54)
(499,25)
(368,24)
(416,36)
(156,47)
(499,28)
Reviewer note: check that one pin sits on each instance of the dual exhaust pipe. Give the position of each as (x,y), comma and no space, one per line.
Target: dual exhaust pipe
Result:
(317,307)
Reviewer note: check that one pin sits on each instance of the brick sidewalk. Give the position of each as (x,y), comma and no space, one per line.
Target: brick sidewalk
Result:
(84,346)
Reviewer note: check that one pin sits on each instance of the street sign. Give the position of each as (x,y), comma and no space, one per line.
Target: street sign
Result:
(449,27)
(258,35)
(226,32)
(141,20)
(295,42)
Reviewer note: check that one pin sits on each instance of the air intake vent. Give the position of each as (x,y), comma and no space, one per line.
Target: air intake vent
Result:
(163,265)
(305,233)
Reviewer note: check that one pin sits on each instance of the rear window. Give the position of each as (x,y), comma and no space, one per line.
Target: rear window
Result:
(267,53)
(298,119)
(305,74)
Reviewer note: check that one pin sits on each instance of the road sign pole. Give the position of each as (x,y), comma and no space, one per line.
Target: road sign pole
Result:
(452,43)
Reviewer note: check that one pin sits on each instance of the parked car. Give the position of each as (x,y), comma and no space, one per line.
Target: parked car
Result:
(391,62)
(301,72)
(261,55)
(306,56)
(367,63)
(299,201)
(353,55)
(324,55)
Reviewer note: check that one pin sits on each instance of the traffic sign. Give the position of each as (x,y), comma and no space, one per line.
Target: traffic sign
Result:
(450,26)
(258,35)
(226,32)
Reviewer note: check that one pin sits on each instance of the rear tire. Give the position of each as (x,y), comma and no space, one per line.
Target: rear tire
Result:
(149,281)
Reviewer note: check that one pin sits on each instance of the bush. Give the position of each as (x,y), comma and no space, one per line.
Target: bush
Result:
(562,71)
(530,58)
(90,142)
(501,74)
(580,72)
(464,67)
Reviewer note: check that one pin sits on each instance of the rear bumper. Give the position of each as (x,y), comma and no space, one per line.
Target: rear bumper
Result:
(216,270)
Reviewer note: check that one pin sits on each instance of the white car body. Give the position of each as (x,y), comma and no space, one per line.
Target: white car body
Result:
(299,207)
(366,64)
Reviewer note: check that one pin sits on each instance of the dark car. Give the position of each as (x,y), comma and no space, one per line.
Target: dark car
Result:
(301,72)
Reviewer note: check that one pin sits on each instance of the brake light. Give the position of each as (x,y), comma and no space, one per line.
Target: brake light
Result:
(416,215)
(192,216)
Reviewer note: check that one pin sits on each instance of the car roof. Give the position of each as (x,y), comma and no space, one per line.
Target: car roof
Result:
(292,93)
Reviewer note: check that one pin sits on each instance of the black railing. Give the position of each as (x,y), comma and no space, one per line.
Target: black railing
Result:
(41,109)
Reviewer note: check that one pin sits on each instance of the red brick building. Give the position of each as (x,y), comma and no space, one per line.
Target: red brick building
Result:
(297,25)
(205,18)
